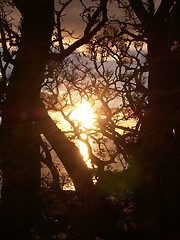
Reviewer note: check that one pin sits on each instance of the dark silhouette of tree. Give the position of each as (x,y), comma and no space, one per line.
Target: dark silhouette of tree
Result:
(21,155)
(145,81)
(29,51)
(158,199)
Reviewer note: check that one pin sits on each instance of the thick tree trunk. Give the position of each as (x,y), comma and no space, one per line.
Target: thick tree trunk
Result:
(158,200)
(69,155)
(93,203)
(21,153)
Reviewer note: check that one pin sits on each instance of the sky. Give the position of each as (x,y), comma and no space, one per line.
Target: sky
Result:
(72,20)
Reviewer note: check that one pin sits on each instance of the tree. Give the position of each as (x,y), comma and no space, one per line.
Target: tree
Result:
(111,91)
(157,137)
(152,145)
(21,170)
(22,113)
(158,156)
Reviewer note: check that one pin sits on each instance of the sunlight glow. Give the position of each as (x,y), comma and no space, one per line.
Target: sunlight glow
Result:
(84,152)
(83,136)
(84,115)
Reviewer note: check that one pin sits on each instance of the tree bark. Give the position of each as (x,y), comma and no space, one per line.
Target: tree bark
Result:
(69,155)
(93,203)
(21,153)
(158,207)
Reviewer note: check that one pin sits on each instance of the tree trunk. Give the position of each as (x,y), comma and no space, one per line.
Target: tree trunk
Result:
(93,203)
(21,153)
(158,200)
(47,160)
(69,155)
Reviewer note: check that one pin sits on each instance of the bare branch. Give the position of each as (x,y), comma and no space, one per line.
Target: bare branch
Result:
(88,33)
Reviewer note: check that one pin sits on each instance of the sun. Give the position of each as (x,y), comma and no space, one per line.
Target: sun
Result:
(84,115)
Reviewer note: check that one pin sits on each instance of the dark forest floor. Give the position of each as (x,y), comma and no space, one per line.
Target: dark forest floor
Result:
(68,219)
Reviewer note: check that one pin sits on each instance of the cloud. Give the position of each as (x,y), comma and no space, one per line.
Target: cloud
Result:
(72,20)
